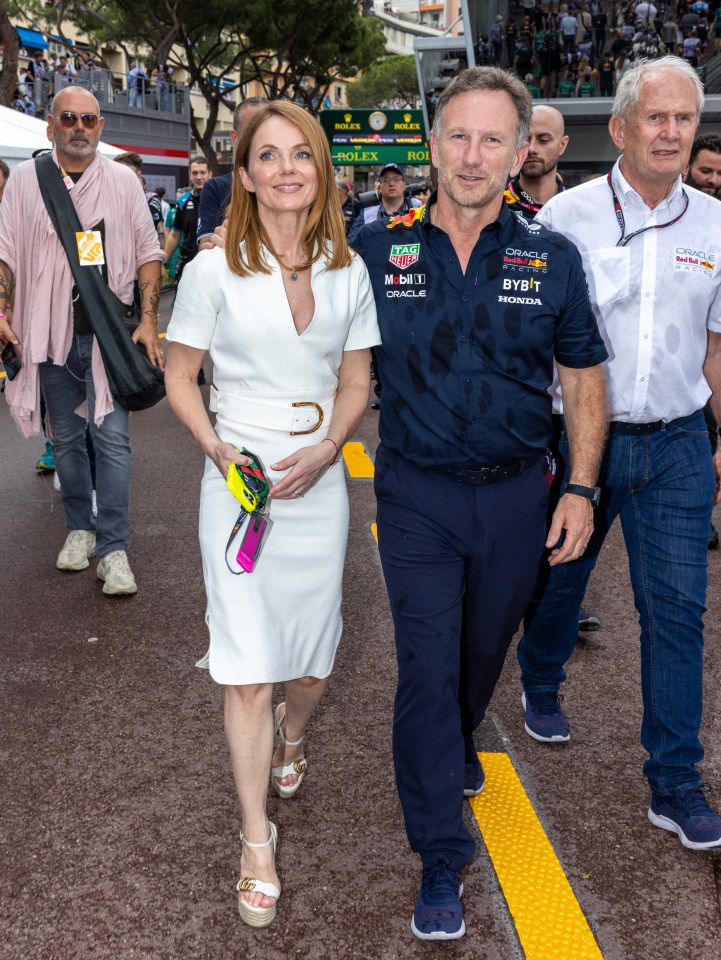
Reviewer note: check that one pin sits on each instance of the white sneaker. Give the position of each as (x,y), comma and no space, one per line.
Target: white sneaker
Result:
(56,482)
(79,546)
(115,570)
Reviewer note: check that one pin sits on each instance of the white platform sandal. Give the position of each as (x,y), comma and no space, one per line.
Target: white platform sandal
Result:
(297,767)
(258,916)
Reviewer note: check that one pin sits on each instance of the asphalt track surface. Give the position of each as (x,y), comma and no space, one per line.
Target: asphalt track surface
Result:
(119,828)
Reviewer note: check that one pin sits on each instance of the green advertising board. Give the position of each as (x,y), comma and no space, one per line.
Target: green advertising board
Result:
(375,137)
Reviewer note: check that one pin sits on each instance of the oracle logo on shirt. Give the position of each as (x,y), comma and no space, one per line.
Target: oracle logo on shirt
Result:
(695,261)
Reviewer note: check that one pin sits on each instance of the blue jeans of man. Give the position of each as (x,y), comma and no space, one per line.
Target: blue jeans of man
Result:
(65,388)
(661,485)
(460,564)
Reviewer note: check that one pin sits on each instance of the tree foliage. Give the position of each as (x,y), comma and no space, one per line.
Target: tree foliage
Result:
(391,79)
(9,41)
(293,48)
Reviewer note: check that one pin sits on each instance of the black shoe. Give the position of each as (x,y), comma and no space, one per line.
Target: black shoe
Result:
(588,621)
(201,377)
(713,538)
(375,405)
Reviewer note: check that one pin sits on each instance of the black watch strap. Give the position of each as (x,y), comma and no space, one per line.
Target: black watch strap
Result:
(590,493)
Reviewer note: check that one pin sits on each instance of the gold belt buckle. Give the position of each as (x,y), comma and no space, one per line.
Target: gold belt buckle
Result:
(308,403)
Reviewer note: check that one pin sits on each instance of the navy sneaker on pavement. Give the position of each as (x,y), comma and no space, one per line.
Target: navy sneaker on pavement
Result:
(438,914)
(474,779)
(688,815)
(588,621)
(545,721)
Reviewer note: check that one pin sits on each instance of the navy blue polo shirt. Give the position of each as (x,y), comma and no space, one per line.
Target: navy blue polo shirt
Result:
(467,359)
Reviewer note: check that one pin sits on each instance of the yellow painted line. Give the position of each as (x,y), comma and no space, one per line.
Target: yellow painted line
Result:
(359,464)
(548,918)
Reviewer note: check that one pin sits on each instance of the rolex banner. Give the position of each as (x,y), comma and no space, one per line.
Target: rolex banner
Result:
(375,137)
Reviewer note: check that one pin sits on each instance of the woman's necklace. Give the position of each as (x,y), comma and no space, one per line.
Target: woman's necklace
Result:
(293,270)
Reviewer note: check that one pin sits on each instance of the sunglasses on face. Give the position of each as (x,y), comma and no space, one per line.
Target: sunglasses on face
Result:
(391,180)
(68,119)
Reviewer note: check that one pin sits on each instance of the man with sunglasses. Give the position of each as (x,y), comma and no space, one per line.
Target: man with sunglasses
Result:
(393,200)
(651,249)
(54,334)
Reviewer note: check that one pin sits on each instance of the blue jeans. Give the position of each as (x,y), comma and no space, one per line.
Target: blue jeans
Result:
(65,388)
(662,486)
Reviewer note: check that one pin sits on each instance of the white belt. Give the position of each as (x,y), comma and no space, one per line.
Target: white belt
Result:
(276,413)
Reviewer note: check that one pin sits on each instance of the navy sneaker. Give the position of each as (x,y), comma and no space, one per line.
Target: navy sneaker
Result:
(688,815)
(474,779)
(438,914)
(545,721)
(588,621)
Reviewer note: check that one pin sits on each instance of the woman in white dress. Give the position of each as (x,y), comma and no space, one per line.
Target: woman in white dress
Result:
(287,314)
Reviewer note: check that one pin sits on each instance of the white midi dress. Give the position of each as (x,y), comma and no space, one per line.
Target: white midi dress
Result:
(283,620)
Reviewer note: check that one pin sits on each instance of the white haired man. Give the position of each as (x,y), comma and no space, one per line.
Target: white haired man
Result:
(650,249)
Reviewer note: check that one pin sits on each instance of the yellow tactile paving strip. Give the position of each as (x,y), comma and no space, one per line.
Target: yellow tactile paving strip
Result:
(549,921)
(359,464)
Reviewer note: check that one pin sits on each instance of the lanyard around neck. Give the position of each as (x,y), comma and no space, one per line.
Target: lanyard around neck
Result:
(654,226)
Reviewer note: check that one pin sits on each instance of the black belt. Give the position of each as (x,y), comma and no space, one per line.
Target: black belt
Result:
(478,475)
(639,429)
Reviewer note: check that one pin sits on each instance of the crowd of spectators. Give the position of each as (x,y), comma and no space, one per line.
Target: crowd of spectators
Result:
(45,75)
(577,49)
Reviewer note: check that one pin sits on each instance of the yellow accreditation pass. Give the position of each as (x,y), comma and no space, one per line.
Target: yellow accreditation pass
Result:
(90,248)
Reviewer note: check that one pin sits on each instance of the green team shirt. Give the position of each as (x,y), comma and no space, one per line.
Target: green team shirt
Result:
(533,90)
(586,89)
(566,88)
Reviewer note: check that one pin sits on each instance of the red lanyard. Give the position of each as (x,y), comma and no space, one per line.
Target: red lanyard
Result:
(654,226)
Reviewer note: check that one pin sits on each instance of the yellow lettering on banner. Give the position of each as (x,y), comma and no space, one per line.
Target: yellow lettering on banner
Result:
(90,248)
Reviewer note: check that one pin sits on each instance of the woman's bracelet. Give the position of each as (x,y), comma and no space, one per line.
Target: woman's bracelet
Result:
(330,439)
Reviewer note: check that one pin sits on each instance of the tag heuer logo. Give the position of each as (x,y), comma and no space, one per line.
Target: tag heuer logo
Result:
(404,255)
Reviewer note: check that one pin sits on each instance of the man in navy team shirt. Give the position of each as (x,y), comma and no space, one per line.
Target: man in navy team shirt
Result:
(474,305)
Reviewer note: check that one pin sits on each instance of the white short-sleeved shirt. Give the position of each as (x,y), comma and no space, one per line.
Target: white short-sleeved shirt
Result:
(654,298)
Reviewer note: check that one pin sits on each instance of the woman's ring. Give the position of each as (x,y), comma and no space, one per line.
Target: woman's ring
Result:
(299,494)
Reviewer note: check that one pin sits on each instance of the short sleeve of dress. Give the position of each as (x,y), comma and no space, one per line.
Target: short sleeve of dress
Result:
(363,331)
(197,303)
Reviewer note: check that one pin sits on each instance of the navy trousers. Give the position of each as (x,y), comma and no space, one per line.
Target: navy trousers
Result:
(460,564)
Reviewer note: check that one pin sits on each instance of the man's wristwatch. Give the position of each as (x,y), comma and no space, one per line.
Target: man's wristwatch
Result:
(590,493)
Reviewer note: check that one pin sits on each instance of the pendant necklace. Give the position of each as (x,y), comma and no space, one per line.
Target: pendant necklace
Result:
(294,269)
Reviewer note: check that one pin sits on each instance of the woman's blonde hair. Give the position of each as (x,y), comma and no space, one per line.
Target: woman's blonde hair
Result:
(324,233)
